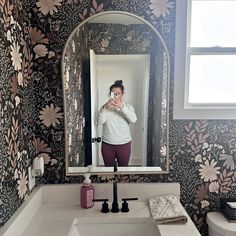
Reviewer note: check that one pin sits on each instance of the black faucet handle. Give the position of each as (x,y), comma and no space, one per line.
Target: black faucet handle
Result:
(115,207)
(125,206)
(105,207)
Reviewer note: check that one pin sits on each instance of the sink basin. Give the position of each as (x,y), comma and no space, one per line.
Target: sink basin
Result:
(114,227)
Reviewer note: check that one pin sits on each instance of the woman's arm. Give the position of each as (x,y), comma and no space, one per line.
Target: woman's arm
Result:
(103,111)
(127,110)
(102,115)
(129,113)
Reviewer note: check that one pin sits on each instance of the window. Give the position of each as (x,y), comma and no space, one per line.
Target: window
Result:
(205,60)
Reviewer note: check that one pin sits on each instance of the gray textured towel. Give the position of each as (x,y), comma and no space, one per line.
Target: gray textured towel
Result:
(167,209)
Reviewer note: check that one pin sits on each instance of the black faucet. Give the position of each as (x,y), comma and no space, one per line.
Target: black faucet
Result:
(115,207)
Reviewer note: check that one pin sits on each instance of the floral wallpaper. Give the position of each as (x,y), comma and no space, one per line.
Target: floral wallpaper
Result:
(17,106)
(33,33)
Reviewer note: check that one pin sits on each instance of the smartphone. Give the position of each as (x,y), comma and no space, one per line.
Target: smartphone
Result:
(112,95)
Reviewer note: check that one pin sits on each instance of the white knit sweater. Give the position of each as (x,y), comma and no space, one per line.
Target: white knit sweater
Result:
(115,124)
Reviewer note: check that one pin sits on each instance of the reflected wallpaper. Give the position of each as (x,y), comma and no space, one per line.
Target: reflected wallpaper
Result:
(33,33)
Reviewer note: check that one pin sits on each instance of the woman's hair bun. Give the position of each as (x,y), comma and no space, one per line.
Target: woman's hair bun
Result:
(118,82)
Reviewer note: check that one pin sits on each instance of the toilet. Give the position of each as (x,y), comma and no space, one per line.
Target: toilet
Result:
(218,225)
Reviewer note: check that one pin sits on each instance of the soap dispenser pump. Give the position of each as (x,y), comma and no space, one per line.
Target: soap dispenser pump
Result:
(86,193)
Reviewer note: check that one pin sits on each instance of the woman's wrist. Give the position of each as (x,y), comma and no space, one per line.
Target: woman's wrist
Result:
(105,106)
(122,106)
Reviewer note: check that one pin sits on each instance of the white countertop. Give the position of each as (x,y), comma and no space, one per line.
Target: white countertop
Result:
(51,209)
(56,220)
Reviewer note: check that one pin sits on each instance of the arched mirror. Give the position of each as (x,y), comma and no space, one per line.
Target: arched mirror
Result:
(106,49)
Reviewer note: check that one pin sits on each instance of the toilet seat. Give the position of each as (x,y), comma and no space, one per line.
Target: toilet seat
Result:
(219,226)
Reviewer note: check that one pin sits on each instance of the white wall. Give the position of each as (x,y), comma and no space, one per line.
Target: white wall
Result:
(133,74)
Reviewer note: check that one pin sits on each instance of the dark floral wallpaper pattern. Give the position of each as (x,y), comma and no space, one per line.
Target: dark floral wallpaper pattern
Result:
(17,110)
(33,33)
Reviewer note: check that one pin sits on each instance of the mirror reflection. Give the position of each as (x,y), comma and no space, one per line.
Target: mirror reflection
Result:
(115,76)
(115,116)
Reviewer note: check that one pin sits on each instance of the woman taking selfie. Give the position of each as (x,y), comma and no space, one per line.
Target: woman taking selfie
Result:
(115,117)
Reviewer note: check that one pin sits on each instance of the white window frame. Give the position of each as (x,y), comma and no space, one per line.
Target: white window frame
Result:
(182,109)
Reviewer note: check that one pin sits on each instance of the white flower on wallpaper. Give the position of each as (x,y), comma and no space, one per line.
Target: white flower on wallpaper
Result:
(20,154)
(12,20)
(50,115)
(40,50)
(104,44)
(14,23)
(205,145)
(198,158)
(161,7)
(214,187)
(51,54)
(16,56)
(16,176)
(146,43)
(20,78)
(204,203)
(163,151)
(9,36)
(48,6)
(22,185)
(17,100)
(54,161)
(209,171)
(130,35)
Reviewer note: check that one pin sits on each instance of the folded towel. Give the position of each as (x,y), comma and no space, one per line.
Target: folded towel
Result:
(167,209)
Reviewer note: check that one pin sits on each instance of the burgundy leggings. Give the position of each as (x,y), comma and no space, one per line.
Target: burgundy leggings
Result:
(120,152)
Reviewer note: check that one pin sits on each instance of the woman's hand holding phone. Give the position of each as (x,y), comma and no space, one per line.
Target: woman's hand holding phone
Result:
(119,103)
(110,103)
(114,101)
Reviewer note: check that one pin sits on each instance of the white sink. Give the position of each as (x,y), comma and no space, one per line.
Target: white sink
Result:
(114,227)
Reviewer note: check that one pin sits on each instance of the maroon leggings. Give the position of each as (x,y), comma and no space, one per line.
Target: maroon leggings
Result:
(120,152)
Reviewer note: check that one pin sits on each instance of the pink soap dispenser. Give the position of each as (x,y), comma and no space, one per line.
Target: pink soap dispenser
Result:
(86,193)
